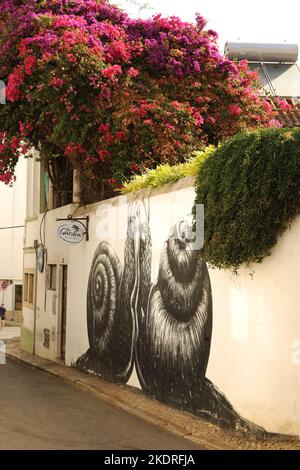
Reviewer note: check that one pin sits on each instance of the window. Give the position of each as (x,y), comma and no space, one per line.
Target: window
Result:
(18,296)
(52,276)
(29,289)
(56,184)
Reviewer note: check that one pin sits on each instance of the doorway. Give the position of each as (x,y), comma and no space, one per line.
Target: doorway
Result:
(63,325)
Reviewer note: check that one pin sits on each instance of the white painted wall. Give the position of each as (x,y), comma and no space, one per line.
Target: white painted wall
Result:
(255,353)
(12,213)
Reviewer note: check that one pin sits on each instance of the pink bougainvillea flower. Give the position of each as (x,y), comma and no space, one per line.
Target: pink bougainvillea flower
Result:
(15,80)
(283,104)
(15,143)
(235,110)
(103,128)
(176,104)
(267,106)
(132,72)
(103,154)
(56,82)
(24,128)
(275,123)
(111,72)
(120,135)
(29,63)
(6,177)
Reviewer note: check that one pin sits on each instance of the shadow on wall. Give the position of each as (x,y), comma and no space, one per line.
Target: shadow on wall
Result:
(164,330)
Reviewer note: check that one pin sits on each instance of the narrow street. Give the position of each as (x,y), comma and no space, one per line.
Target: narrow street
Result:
(42,412)
(150,218)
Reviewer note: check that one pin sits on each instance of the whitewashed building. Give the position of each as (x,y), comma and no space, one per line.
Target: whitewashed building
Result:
(12,216)
(85,303)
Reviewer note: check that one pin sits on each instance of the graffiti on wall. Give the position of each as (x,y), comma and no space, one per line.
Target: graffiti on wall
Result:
(161,329)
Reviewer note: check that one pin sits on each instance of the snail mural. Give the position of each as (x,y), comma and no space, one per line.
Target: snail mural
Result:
(110,326)
(164,329)
(177,328)
(115,295)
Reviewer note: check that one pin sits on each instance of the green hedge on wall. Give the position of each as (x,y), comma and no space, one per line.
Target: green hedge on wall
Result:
(250,187)
(167,174)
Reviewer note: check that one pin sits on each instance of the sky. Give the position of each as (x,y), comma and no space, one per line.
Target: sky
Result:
(248,21)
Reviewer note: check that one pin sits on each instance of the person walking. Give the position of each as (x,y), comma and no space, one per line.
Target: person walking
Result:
(2,317)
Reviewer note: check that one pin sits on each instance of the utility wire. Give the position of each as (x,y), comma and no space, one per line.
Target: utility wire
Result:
(15,226)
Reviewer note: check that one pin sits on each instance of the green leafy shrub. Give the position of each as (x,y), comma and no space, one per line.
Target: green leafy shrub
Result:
(167,174)
(250,187)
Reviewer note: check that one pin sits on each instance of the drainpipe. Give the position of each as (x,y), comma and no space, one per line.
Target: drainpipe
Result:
(23,275)
(36,244)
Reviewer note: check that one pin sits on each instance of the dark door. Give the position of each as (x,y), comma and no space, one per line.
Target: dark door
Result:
(64,312)
(18,297)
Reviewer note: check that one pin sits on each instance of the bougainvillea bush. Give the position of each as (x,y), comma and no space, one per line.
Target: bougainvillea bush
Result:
(113,96)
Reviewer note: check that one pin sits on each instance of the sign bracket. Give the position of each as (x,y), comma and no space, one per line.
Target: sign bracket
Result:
(81,221)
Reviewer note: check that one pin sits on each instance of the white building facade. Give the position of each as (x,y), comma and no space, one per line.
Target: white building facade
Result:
(12,220)
(88,304)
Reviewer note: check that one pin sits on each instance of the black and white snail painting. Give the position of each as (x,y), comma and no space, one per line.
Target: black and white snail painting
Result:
(178,325)
(162,329)
(117,302)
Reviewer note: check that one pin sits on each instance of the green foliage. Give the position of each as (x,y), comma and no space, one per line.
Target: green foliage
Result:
(250,187)
(167,174)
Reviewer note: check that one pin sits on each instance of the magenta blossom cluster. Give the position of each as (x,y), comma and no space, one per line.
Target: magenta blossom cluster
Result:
(110,93)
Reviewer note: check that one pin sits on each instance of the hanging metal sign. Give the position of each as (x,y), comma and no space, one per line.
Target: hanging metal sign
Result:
(72,232)
(40,258)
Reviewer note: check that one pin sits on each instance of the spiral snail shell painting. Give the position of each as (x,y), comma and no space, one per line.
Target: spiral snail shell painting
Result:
(160,330)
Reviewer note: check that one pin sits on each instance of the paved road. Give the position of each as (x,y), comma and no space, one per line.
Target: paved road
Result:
(39,411)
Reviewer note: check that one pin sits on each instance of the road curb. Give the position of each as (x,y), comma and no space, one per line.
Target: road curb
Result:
(134,402)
